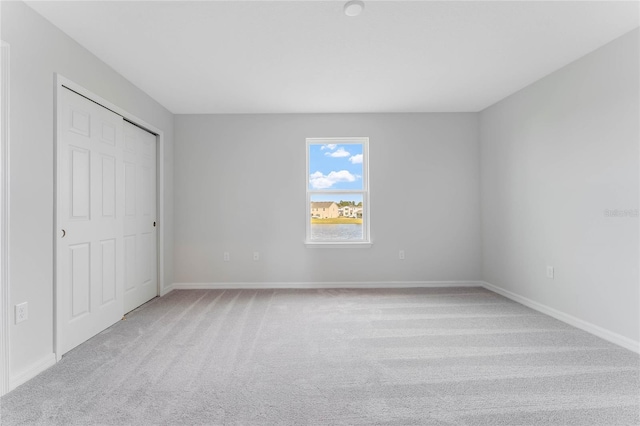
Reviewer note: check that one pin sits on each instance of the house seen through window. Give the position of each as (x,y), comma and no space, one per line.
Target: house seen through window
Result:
(337,190)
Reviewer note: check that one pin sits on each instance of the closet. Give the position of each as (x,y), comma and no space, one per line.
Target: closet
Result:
(106,247)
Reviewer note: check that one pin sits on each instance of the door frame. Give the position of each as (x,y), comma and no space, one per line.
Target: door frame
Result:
(60,83)
(5,304)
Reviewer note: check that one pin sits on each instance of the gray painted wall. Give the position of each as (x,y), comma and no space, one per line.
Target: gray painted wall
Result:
(38,49)
(554,157)
(240,187)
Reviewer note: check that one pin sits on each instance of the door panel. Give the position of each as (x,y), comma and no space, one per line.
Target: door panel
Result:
(90,257)
(145,174)
(147,258)
(129,189)
(79,121)
(108,169)
(80,198)
(108,270)
(108,135)
(141,282)
(129,263)
(80,266)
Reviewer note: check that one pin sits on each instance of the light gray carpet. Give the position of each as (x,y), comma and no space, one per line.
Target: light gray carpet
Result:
(461,356)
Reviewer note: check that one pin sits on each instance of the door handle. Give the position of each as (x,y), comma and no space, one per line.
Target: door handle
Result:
(154,223)
(64,233)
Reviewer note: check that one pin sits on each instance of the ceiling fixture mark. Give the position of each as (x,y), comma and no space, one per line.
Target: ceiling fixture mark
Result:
(353,8)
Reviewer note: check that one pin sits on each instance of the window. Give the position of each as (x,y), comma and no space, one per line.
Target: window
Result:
(338,192)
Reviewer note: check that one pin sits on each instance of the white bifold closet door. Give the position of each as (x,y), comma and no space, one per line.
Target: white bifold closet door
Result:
(89,253)
(106,254)
(140,253)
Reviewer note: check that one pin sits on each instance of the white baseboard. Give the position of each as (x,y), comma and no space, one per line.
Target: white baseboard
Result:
(368,284)
(33,371)
(603,333)
(166,290)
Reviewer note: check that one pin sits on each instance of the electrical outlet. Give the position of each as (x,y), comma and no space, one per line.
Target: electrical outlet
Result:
(401,255)
(22,314)
(550,272)
(256,255)
(226,256)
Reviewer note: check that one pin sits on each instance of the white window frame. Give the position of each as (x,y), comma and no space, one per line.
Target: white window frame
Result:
(365,242)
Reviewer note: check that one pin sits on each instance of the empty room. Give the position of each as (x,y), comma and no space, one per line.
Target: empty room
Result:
(320,212)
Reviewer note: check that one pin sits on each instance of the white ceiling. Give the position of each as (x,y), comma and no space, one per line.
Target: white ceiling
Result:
(307,56)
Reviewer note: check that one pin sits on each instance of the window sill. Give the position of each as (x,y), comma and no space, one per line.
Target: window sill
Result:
(323,244)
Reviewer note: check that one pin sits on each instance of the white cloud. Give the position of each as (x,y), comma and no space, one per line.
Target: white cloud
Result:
(339,153)
(330,146)
(356,159)
(319,180)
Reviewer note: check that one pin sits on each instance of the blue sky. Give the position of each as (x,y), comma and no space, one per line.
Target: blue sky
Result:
(335,166)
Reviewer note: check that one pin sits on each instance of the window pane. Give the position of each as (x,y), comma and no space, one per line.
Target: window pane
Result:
(335,166)
(337,217)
